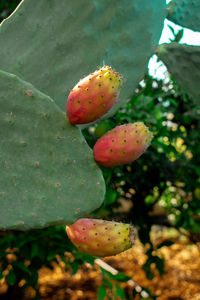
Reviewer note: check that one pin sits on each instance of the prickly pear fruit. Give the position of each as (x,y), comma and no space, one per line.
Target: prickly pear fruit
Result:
(122,145)
(93,96)
(99,237)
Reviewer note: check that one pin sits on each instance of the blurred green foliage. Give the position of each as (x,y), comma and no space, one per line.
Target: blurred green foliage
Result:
(167,176)
(161,187)
(22,254)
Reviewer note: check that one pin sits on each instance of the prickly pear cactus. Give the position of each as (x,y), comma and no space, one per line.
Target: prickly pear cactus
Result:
(122,145)
(48,174)
(55,43)
(101,238)
(183,62)
(93,96)
(185,13)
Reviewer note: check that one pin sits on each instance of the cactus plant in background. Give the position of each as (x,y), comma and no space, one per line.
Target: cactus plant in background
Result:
(183,62)
(101,238)
(185,13)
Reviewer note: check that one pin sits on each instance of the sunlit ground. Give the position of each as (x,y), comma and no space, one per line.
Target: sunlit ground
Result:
(181,280)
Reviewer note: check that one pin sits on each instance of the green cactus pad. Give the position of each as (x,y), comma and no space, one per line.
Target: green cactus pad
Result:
(183,62)
(185,13)
(53,44)
(48,174)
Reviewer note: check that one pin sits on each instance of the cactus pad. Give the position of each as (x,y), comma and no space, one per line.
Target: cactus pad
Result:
(183,62)
(55,43)
(48,174)
(185,13)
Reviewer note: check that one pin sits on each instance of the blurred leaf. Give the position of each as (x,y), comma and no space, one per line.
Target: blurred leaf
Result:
(179,36)
(147,268)
(51,256)
(165,243)
(103,127)
(11,277)
(121,277)
(101,293)
(149,199)
(197,169)
(74,266)
(107,283)
(87,258)
(172,29)
(111,196)
(34,276)
(150,275)
(20,266)
(1,274)
(159,264)
(119,292)
(35,251)
(173,101)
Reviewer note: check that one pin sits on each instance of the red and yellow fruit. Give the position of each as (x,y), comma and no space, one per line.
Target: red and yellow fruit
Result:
(122,145)
(100,238)
(93,96)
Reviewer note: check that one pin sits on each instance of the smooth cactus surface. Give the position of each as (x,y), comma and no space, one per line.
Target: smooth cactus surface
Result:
(48,174)
(99,237)
(122,145)
(55,43)
(93,96)
(183,62)
(185,13)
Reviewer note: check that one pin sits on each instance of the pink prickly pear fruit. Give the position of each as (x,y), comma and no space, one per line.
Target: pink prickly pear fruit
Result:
(93,96)
(100,238)
(122,145)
